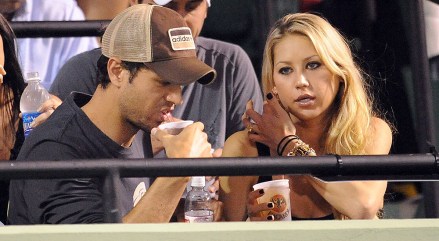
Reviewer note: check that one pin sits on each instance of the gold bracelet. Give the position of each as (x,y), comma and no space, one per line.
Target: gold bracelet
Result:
(301,149)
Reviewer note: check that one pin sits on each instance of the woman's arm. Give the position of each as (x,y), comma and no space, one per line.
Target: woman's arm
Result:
(234,189)
(359,199)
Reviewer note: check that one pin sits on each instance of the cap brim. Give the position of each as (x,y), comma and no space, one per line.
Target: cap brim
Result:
(183,71)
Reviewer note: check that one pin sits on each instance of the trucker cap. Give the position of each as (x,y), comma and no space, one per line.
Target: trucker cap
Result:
(164,2)
(159,38)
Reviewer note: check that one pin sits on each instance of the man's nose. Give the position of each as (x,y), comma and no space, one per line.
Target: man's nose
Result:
(174,95)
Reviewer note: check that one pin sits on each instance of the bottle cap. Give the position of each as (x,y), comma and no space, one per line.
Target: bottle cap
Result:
(198,181)
(32,76)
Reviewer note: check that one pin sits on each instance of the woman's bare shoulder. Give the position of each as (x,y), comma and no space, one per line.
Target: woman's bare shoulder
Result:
(380,137)
(238,145)
(380,125)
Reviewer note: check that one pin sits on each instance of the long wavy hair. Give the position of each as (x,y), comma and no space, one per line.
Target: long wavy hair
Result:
(13,82)
(350,119)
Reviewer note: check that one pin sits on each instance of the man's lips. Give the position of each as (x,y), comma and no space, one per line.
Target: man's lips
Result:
(166,116)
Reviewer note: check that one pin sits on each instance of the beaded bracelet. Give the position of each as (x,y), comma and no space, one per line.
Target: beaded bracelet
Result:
(301,149)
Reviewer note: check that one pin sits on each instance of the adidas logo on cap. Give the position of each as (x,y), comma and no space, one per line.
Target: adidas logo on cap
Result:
(181,38)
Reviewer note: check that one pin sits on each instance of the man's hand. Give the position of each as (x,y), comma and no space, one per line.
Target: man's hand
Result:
(190,143)
(157,146)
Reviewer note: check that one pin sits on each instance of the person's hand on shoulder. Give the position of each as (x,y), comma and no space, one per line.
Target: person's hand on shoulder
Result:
(190,143)
(46,109)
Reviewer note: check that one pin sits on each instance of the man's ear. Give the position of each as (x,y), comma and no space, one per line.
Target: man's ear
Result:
(115,71)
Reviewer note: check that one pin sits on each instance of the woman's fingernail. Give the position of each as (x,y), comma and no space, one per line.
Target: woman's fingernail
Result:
(270,217)
(270,205)
(269,96)
(261,191)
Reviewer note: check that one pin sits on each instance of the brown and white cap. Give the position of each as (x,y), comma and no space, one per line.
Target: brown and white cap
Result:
(159,38)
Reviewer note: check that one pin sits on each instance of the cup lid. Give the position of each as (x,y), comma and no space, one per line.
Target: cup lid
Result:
(274,183)
(175,125)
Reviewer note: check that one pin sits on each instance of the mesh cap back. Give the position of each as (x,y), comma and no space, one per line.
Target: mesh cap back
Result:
(127,37)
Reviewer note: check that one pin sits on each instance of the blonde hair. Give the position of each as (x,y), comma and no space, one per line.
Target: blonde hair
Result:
(349,124)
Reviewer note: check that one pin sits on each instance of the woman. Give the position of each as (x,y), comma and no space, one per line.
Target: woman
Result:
(11,86)
(317,103)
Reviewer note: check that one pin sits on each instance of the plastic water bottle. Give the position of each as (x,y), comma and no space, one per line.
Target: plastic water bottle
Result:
(31,99)
(198,206)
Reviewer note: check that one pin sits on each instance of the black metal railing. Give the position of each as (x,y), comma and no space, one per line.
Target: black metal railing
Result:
(330,168)
(56,29)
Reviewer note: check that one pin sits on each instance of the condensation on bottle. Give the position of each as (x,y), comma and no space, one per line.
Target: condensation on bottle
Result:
(198,203)
(33,96)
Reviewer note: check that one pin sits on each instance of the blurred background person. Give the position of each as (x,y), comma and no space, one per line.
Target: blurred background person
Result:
(46,55)
(102,9)
(11,88)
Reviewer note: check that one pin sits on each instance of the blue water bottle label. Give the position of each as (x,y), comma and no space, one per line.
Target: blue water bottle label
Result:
(27,120)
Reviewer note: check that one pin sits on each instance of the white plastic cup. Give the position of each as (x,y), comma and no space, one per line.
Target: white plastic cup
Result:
(174,128)
(277,192)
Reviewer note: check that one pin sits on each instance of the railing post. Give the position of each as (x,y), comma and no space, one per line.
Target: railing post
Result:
(111,204)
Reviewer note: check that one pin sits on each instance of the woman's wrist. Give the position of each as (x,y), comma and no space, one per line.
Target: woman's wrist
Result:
(297,147)
(284,142)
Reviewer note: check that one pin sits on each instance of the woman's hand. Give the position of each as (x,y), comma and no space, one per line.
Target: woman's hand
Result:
(217,207)
(258,212)
(270,127)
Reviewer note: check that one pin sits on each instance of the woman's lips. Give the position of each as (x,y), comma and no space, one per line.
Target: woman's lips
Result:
(305,100)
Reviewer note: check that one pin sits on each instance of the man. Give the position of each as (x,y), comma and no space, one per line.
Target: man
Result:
(218,106)
(136,91)
(46,55)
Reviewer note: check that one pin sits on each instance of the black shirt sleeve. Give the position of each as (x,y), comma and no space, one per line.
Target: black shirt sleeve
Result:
(55,201)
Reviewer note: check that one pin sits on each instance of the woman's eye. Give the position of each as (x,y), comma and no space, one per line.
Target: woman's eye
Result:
(285,70)
(313,65)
